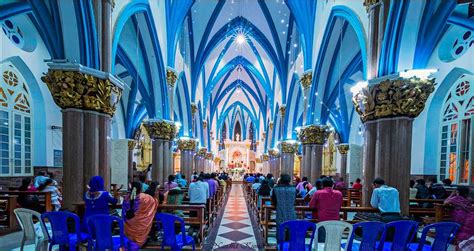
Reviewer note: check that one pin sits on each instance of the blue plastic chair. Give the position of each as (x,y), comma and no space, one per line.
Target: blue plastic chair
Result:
(372,236)
(170,238)
(60,232)
(445,233)
(403,233)
(297,230)
(100,229)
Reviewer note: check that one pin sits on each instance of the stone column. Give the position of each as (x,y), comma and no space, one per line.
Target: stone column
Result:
(209,160)
(193,117)
(88,98)
(162,132)
(313,137)
(187,146)
(287,159)
(305,81)
(343,150)
(200,159)
(131,147)
(275,162)
(282,121)
(265,164)
(387,108)
(171,77)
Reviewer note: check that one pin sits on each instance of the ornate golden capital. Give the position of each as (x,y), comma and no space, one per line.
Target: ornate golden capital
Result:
(274,153)
(393,98)
(283,110)
(306,80)
(209,155)
(313,134)
(187,144)
(161,129)
(289,146)
(369,3)
(202,152)
(193,108)
(265,157)
(343,148)
(73,89)
(132,144)
(171,77)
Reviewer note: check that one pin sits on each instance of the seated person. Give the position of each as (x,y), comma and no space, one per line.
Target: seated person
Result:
(138,212)
(181,180)
(256,184)
(437,190)
(97,200)
(387,200)
(250,179)
(171,183)
(263,191)
(56,196)
(198,193)
(340,184)
(299,185)
(29,201)
(326,202)
(175,197)
(357,184)
(142,179)
(463,212)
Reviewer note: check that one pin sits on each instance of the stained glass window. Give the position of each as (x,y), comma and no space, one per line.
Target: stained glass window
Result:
(456,132)
(15,124)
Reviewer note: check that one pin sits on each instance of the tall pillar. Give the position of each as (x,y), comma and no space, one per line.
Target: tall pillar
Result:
(131,147)
(209,160)
(171,77)
(187,146)
(193,118)
(265,164)
(305,81)
(200,159)
(88,98)
(343,150)
(313,137)
(387,108)
(275,162)
(287,160)
(162,132)
(282,121)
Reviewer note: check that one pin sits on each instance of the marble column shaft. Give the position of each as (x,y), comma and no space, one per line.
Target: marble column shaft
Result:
(368,171)
(130,164)
(287,163)
(316,162)
(344,166)
(305,170)
(187,163)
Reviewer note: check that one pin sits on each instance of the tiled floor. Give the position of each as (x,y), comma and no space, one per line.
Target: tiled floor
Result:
(235,231)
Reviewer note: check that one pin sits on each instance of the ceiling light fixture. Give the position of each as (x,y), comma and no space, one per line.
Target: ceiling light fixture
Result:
(240,38)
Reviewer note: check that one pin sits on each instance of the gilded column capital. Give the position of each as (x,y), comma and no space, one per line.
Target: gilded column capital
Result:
(132,144)
(171,76)
(313,134)
(343,148)
(283,110)
(306,79)
(289,146)
(194,108)
(369,3)
(209,155)
(202,151)
(187,144)
(75,89)
(265,157)
(274,153)
(401,97)
(161,129)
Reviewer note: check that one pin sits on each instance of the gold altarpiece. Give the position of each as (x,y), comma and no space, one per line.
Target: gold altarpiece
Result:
(329,156)
(143,152)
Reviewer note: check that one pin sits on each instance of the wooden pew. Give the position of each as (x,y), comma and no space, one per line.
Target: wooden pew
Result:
(8,203)
(44,197)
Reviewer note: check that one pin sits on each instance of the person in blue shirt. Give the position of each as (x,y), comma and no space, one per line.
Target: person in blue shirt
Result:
(250,179)
(97,200)
(387,200)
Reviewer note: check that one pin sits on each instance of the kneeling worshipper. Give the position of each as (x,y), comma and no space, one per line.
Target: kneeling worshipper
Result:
(463,212)
(96,200)
(138,211)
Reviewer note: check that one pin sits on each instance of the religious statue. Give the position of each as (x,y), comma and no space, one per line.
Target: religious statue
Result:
(237,137)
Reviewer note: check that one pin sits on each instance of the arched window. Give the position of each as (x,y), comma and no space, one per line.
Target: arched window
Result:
(15,123)
(457,137)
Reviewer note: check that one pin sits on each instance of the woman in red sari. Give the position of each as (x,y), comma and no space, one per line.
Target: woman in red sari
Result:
(138,211)
(463,212)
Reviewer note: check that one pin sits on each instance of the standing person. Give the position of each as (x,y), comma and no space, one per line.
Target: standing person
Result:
(270,180)
(212,184)
(148,172)
(198,193)
(463,212)
(283,198)
(326,204)
(387,200)
(138,211)
(171,183)
(357,184)
(56,196)
(96,200)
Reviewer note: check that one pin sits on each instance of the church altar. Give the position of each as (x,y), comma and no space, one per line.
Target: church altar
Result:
(238,158)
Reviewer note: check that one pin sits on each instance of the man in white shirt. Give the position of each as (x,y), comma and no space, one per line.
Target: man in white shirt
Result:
(387,200)
(198,192)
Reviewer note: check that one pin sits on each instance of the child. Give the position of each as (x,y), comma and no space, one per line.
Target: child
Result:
(56,196)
